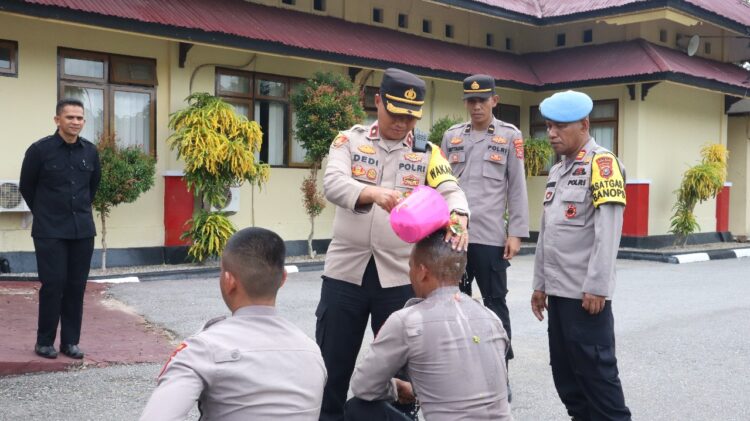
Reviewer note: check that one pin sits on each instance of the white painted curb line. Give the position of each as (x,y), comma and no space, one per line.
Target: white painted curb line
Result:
(291,269)
(742,252)
(125,280)
(692,257)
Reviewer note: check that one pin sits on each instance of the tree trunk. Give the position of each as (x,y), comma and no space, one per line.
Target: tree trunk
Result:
(104,241)
(314,177)
(310,250)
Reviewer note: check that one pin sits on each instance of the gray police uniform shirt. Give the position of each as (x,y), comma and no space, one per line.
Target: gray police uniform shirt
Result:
(490,169)
(584,201)
(359,158)
(453,350)
(253,365)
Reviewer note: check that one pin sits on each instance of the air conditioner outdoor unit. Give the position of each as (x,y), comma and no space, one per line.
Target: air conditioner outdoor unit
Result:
(10,197)
(233,201)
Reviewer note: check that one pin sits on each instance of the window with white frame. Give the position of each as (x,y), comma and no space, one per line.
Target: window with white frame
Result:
(265,99)
(117,92)
(603,119)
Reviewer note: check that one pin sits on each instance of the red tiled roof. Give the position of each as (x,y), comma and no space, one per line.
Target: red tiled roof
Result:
(627,59)
(734,10)
(345,42)
(307,31)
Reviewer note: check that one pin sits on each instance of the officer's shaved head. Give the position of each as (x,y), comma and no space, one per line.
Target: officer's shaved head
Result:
(443,263)
(255,256)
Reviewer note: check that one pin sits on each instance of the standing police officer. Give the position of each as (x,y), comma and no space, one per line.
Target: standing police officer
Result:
(59,178)
(366,267)
(574,270)
(486,155)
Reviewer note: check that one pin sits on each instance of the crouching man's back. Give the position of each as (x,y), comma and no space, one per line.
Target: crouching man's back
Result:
(451,347)
(253,364)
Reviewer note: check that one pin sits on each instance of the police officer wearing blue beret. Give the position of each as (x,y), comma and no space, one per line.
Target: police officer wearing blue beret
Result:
(574,268)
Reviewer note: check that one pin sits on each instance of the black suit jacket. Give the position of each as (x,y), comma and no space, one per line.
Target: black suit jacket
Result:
(58,182)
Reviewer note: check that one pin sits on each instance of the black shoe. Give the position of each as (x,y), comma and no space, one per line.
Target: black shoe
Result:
(46,351)
(72,351)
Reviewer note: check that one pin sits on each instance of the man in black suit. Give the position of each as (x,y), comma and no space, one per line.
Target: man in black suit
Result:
(59,178)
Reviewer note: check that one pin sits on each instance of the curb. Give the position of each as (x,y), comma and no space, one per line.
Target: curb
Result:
(680,258)
(168,274)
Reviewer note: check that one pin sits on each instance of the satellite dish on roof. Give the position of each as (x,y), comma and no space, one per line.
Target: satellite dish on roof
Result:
(689,45)
(693,44)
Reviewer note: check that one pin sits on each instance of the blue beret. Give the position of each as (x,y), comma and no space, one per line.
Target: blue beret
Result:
(566,107)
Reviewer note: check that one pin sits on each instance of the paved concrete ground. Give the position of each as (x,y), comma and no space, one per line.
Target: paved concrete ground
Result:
(681,329)
(113,333)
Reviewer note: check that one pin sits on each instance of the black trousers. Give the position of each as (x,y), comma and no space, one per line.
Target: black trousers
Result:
(341,322)
(63,267)
(361,410)
(582,356)
(486,265)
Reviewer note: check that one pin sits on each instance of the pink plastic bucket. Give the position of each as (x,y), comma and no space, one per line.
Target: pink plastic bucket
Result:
(420,214)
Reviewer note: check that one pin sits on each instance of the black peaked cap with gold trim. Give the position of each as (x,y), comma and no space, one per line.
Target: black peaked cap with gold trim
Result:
(402,93)
(479,86)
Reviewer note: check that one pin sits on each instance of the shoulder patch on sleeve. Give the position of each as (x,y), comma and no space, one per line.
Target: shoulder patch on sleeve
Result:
(174,353)
(339,140)
(438,169)
(607,182)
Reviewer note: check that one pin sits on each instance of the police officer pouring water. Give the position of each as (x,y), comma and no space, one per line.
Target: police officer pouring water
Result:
(574,269)
(369,170)
(486,155)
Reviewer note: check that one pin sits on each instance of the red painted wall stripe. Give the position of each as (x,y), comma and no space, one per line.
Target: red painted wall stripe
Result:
(722,209)
(178,209)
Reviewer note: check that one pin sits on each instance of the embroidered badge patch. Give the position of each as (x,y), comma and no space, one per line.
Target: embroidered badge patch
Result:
(579,171)
(454,158)
(367,149)
(605,166)
(518,144)
(499,139)
(456,141)
(372,174)
(496,157)
(358,171)
(571,211)
(413,157)
(410,180)
(607,181)
(339,140)
(581,154)
(548,195)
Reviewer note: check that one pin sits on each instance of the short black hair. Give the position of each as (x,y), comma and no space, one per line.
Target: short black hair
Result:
(444,263)
(255,256)
(66,102)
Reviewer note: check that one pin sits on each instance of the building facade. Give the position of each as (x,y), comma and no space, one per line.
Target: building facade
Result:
(133,63)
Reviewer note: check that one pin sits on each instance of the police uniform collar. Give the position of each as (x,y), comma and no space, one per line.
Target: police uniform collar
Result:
(373,133)
(490,128)
(446,290)
(587,149)
(255,310)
